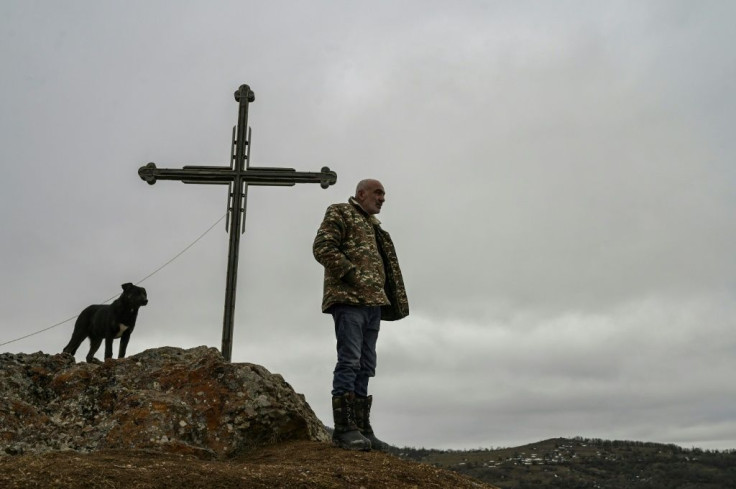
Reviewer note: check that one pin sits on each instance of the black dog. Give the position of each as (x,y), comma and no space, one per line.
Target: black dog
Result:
(103,322)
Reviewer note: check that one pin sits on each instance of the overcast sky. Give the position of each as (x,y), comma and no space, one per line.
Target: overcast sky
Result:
(560,188)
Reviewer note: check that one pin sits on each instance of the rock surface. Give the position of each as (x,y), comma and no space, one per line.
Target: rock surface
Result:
(189,402)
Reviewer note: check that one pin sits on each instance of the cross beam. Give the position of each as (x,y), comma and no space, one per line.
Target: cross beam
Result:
(238,176)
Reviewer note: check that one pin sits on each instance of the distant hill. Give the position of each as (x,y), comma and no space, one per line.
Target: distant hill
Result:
(588,463)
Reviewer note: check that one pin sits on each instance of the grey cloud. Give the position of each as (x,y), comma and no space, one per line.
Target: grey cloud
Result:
(559,187)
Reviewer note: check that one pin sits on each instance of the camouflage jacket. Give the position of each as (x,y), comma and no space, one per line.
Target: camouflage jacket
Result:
(350,239)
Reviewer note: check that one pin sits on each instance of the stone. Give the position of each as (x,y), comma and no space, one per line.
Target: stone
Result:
(166,399)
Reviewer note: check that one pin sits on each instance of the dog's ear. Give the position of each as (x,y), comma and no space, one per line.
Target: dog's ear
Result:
(126,286)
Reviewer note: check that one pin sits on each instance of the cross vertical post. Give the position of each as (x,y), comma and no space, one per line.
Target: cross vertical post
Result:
(238,195)
(237,176)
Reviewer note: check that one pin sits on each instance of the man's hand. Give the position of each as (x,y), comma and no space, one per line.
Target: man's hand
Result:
(350,278)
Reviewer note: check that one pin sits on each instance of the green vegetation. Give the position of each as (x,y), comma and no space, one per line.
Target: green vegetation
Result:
(588,463)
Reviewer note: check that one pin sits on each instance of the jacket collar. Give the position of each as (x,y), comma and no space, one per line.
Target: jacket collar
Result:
(372,218)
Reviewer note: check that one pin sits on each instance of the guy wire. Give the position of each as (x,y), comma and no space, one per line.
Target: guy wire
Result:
(116,295)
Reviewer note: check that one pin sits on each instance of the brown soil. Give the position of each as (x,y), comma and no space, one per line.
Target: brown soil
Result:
(289,465)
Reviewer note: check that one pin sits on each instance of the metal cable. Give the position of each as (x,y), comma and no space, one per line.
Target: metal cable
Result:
(116,295)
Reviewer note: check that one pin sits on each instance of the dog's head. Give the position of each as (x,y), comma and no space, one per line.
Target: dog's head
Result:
(134,296)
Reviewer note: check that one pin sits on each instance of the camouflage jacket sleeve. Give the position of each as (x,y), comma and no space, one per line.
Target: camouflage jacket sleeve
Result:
(327,244)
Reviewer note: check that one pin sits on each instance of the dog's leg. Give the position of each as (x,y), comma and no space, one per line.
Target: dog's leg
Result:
(124,343)
(108,347)
(94,345)
(79,334)
(77,339)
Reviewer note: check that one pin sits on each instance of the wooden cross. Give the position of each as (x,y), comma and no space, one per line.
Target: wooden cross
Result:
(238,176)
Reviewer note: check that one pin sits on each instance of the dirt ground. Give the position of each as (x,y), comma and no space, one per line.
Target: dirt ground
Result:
(287,465)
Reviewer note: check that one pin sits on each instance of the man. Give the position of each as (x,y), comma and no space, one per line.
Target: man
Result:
(362,286)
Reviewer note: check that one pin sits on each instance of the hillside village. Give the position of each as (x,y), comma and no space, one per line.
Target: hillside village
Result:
(581,462)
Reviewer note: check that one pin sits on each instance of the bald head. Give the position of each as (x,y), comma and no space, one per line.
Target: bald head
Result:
(370,195)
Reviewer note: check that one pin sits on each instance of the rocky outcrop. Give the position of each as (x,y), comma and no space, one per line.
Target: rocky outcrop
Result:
(167,399)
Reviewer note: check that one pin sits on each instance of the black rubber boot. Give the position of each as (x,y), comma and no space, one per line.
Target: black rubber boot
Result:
(346,434)
(363,420)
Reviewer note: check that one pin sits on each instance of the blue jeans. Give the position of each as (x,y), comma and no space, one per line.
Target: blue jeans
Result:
(356,330)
